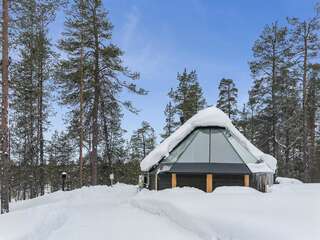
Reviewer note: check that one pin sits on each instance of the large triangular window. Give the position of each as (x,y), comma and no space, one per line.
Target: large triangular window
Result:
(221,151)
(214,145)
(195,148)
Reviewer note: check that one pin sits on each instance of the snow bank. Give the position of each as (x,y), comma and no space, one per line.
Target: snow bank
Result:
(236,189)
(240,213)
(89,213)
(211,116)
(289,211)
(284,180)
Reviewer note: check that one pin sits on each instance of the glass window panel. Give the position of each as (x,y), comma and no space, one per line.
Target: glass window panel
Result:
(221,149)
(198,149)
(246,156)
(173,156)
(195,148)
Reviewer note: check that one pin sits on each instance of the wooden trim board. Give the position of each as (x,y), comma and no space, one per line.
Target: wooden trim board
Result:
(209,182)
(246,180)
(156,182)
(173,180)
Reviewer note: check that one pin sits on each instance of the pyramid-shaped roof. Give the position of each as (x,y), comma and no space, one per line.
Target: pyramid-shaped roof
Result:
(209,117)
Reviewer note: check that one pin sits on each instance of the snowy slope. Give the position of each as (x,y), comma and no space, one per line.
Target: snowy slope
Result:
(90,213)
(289,211)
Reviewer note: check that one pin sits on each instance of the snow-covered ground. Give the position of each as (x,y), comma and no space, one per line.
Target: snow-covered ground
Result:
(289,211)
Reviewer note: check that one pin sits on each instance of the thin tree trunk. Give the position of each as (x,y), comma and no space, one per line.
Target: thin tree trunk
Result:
(94,141)
(252,126)
(312,108)
(311,127)
(106,135)
(304,112)
(41,138)
(41,141)
(95,130)
(81,119)
(144,145)
(81,106)
(4,114)
(30,158)
(273,98)
(229,103)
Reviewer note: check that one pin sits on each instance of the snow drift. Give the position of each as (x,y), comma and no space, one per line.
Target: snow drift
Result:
(284,180)
(289,211)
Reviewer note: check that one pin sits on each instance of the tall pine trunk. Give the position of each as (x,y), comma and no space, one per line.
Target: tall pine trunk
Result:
(81,103)
(273,100)
(312,112)
(4,114)
(95,130)
(81,119)
(40,113)
(304,111)
(41,145)
(30,159)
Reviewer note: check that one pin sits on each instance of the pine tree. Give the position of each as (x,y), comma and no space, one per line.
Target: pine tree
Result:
(227,101)
(188,97)
(170,119)
(304,36)
(142,142)
(313,106)
(258,130)
(31,85)
(243,121)
(60,151)
(270,54)
(88,33)
(114,143)
(73,82)
(282,60)
(289,109)
(170,124)
(52,152)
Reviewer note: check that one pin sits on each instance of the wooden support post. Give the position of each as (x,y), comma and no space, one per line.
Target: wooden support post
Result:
(173,180)
(246,180)
(209,182)
(156,182)
(264,183)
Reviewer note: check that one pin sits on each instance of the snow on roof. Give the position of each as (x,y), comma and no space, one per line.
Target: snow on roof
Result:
(209,117)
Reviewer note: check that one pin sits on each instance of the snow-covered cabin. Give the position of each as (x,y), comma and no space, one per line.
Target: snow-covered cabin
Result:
(207,151)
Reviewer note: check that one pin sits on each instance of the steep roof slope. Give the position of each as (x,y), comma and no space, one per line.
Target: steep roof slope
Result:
(209,117)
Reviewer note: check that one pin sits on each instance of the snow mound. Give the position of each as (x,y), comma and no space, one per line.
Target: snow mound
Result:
(211,116)
(239,213)
(289,211)
(235,190)
(284,180)
(97,213)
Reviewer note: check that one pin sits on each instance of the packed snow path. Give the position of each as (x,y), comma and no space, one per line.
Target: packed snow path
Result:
(289,211)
